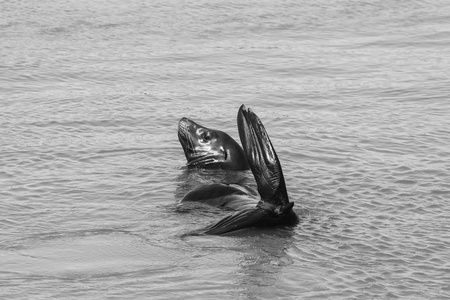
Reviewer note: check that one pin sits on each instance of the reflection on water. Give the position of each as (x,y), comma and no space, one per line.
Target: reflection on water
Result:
(261,268)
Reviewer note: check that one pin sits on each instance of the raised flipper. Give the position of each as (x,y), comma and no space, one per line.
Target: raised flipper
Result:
(274,207)
(262,158)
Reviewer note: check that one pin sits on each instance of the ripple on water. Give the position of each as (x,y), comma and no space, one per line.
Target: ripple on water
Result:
(83,254)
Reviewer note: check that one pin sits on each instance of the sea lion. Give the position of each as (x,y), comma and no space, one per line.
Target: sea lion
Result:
(208,148)
(273,207)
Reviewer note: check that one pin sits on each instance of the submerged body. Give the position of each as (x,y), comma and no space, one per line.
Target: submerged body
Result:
(220,195)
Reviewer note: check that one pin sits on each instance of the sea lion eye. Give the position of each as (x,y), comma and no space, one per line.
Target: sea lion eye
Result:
(206,136)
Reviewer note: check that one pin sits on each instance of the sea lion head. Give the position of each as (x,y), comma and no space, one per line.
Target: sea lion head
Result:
(208,148)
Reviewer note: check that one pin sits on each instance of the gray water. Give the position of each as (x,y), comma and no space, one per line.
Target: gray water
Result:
(354,95)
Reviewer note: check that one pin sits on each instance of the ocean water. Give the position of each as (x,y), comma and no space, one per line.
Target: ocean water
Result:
(354,95)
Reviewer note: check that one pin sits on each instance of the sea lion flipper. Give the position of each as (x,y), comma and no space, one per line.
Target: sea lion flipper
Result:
(262,158)
(239,220)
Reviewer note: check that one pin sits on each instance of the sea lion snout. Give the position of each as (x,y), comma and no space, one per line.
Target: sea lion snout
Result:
(184,124)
